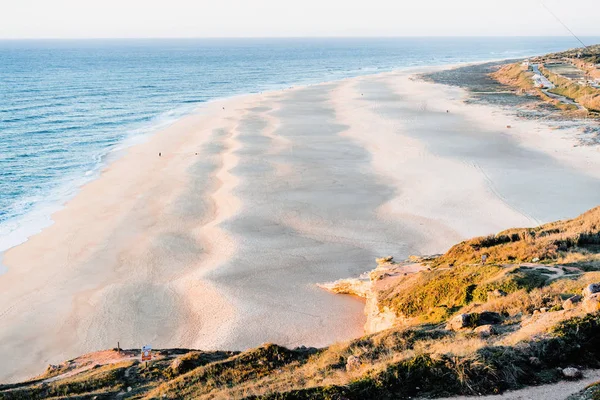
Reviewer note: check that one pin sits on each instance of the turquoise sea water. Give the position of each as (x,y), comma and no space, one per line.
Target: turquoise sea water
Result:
(65,106)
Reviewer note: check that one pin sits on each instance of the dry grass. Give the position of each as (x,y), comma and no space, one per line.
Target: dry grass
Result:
(515,75)
(587,96)
(433,296)
(421,360)
(553,242)
(518,76)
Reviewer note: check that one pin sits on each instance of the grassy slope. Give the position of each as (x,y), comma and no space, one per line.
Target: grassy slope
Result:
(422,358)
(573,241)
(588,97)
(515,75)
(456,279)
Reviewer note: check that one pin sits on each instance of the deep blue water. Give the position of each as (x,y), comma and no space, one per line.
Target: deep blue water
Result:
(66,105)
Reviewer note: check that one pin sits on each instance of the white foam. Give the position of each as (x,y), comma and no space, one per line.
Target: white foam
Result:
(18,230)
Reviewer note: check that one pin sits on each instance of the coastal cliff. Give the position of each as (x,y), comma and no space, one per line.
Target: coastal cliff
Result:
(371,286)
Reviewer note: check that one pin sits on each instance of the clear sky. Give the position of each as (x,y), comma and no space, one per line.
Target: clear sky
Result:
(242,18)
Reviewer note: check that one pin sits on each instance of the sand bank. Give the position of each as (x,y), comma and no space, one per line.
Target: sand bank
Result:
(220,241)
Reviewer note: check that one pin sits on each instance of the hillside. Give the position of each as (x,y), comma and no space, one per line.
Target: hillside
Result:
(459,327)
(573,78)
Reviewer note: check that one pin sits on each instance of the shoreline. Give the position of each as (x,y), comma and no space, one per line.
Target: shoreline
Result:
(251,205)
(121,149)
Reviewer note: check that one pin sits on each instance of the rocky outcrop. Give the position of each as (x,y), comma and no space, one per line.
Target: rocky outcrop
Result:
(571,302)
(473,320)
(364,286)
(591,298)
(591,289)
(378,319)
(591,303)
(370,285)
(572,373)
(353,286)
(485,331)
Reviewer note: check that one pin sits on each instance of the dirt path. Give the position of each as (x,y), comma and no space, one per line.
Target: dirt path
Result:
(557,391)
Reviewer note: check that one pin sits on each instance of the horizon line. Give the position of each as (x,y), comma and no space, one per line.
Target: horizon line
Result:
(288,37)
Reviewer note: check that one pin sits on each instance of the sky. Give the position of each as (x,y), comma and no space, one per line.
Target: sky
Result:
(293,18)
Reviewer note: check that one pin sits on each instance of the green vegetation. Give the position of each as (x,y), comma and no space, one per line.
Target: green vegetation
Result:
(532,338)
(591,54)
(572,242)
(587,96)
(490,370)
(515,75)
(109,378)
(432,296)
(396,364)
(584,60)
(592,392)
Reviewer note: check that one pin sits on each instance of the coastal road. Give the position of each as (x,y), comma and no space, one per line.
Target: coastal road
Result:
(547,86)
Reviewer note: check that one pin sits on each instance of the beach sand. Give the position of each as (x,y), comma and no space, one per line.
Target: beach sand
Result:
(219,242)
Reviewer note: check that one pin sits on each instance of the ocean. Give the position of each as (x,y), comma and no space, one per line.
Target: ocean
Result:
(67,106)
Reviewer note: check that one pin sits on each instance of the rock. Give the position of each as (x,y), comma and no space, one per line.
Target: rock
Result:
(572,373)
(486,330)
(129,389)
(544,310)
(591,289)
(473,320)
(459,322)
(414,259)
(488,318)
(571,302)
(591,303)
(496,293)
(535,361)
(352,363)
(176,365)
(307,350)
(381,276)
(51,368)
(385,260)
(535,260)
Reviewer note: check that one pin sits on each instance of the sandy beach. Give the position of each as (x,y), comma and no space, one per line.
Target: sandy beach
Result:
(219,242)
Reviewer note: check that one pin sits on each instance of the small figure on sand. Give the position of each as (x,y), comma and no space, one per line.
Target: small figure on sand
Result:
(483,258)
(159,154)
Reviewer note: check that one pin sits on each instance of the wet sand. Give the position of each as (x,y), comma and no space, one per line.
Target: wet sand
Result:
(220,242)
